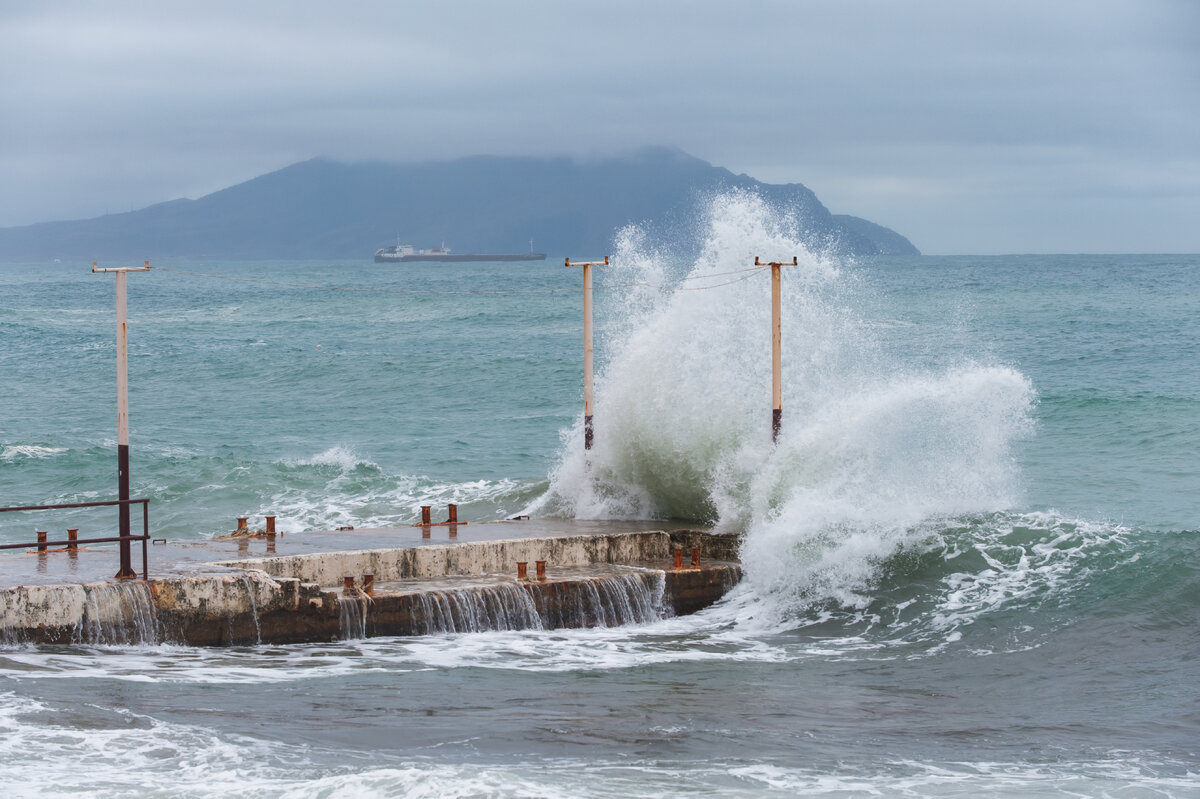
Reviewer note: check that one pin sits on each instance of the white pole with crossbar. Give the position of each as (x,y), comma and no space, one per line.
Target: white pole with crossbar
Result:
(126,571)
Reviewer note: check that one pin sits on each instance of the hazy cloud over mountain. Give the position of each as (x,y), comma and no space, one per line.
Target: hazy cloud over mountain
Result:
(971,127)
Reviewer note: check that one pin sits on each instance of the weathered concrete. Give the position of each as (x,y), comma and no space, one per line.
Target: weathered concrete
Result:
(450,588)
(492,557)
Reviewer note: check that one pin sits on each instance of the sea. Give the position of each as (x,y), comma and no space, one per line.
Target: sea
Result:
(972,558)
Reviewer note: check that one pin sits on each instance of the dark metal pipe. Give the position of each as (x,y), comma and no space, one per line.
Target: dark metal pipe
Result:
(72,538)
(348,586)
(105,504)
(369,584)
(541,570)
(425,518)
(41,537)
(679,559)
(695,557)
(125,572)
(111,540)
(522,571)
(270,525)
(145,535)
(453,514)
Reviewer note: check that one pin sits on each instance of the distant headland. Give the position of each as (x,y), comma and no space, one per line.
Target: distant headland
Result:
(326,209)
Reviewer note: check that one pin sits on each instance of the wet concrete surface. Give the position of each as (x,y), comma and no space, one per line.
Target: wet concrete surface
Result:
(99,562)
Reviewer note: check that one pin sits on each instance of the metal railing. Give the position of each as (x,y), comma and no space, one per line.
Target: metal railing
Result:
(125,540)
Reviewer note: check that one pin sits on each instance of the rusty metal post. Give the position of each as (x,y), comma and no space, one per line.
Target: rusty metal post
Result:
(126,570)
(541,570)
(369,584)
(72,537)
(270,525)
(452,511)
(242,526)
(522,571)
(348,586)
(679,559)
(41,537)
(587,346)
(425,518)
(695,557)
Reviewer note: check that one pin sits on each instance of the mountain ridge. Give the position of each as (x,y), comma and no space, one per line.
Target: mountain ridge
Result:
(322,208)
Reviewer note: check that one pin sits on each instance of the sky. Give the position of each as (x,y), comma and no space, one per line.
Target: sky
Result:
(969,127)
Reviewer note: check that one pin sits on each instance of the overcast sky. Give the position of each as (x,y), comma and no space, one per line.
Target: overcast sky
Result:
(970,127)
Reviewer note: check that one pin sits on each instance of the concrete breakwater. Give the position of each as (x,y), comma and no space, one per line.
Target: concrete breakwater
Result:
(592,580)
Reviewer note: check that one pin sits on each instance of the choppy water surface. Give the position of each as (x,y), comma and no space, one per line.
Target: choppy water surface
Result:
(971,559)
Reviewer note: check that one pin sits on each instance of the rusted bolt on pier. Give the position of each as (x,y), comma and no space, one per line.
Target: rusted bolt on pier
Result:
(348,588)
(243,528)
(451,518)
(41,537)
(678,559)
(369,584)
(522,570)
(541,570)
(695,557)
(72,538)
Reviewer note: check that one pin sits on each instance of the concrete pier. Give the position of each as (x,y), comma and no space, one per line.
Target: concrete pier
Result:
(592,579)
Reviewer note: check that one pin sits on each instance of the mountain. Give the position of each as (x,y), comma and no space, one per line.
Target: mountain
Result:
(326,209)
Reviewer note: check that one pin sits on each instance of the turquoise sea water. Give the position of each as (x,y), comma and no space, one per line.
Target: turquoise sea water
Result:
(972,560)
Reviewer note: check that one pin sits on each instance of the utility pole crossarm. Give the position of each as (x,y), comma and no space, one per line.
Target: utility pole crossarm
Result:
(587,345)
(98,270)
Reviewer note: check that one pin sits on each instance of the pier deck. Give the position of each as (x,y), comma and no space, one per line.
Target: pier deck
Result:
(185,556)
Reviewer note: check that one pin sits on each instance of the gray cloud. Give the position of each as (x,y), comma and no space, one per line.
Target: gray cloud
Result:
(969,127)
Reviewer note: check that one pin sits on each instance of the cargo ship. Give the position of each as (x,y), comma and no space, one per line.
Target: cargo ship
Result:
(404,253)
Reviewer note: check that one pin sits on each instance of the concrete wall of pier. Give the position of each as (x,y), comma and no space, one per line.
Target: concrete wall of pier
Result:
(296,599)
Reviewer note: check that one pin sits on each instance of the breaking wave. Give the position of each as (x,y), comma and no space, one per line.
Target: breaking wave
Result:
(876,453)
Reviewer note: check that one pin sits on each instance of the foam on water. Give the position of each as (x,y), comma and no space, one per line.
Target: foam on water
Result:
(47,750)
(13,452)
(337,487)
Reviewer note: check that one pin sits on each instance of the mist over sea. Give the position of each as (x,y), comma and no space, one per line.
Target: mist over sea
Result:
(972,560)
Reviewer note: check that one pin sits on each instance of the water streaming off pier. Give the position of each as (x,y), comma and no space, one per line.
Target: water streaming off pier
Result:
(578,597)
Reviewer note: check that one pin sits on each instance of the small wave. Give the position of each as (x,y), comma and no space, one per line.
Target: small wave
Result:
(344,458)
(12,452)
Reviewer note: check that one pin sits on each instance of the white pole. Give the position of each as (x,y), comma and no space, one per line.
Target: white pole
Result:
(776,351)
(776,343)
(126,571)
(122,364)
(587,346)
(587,356)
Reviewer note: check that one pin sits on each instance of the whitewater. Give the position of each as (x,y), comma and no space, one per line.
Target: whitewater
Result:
(970,558)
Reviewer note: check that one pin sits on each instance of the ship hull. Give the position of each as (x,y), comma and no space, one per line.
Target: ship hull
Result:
(391,258)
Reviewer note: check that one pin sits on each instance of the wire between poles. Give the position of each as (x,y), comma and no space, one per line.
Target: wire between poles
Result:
(746,274)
